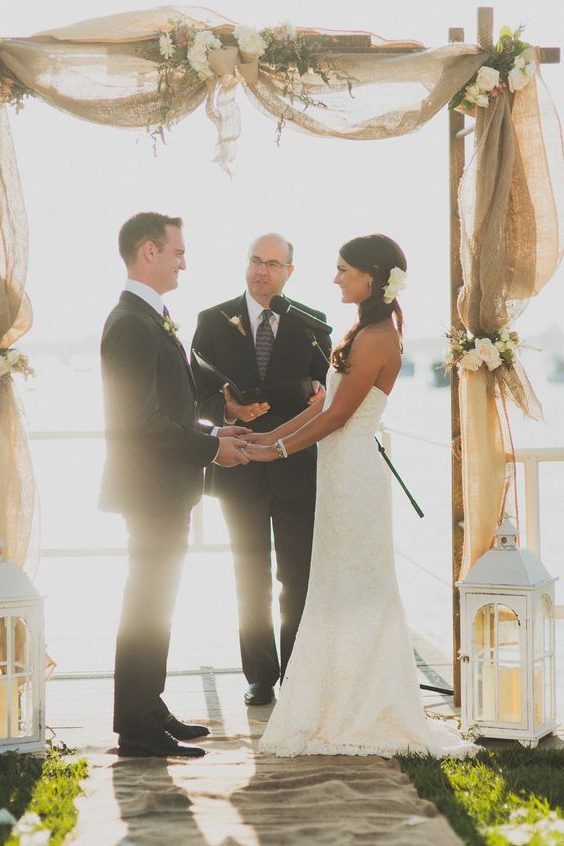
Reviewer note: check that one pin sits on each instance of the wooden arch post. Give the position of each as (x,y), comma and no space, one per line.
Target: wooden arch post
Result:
(457,133)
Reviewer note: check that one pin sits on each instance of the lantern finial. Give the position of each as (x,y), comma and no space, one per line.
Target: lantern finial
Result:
(506,535)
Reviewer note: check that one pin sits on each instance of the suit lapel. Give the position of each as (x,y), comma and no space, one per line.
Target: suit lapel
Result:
(138,302)
(244,343)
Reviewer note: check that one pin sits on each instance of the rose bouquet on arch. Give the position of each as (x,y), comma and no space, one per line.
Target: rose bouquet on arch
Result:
(510,67)
(472,353)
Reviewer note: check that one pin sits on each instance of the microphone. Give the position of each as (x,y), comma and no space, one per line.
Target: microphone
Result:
(280,305)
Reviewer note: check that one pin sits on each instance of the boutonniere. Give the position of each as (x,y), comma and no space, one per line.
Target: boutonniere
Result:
(171,328)
(236,322)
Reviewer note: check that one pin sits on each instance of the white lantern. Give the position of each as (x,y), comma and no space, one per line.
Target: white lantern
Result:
(22,662)
(507,644)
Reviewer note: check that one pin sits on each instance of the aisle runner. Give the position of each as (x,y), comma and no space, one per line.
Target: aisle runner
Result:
(234,798)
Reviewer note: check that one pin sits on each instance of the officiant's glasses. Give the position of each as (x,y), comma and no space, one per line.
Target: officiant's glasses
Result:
(272,264)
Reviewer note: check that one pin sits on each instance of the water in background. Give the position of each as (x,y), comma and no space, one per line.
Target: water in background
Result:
(84,593)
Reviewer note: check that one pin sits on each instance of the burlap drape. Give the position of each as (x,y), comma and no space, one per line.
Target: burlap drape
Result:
(17,492)
(511,226)
(511,242)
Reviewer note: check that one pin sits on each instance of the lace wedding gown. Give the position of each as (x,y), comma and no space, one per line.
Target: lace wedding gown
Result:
(351,685)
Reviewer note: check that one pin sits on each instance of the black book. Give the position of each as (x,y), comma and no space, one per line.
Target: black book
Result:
(289,393)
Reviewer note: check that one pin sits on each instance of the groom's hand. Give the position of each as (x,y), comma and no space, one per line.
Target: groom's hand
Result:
(233,432)
(231,452)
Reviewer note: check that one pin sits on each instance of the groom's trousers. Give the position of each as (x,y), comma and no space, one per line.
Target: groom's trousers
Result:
(251,520)
(157,545)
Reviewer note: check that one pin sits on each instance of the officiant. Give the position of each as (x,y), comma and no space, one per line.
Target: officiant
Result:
(256,348)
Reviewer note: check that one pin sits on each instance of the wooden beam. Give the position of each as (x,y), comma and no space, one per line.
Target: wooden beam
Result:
(456,169)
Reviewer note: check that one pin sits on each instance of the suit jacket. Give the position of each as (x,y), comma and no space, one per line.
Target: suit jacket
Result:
(155,447)
(293,357)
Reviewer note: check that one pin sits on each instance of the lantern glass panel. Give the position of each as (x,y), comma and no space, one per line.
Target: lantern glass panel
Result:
(497,657)
(484,667)
(543,636)
(16,673)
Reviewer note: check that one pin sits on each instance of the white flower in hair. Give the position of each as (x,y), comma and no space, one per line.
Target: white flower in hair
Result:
(396,282)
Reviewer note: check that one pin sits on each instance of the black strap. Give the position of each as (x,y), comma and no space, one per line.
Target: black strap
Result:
(382,452)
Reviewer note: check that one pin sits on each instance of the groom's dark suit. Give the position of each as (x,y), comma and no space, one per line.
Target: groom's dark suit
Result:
(156,451)
(255,494)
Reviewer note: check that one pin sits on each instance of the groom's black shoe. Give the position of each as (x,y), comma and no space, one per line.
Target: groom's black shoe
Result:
(183,731)
(155,744)
(259,693)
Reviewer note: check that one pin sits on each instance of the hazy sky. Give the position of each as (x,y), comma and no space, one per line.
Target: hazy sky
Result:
(81,181)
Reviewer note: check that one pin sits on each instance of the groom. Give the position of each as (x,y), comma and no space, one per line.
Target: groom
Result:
(156,452)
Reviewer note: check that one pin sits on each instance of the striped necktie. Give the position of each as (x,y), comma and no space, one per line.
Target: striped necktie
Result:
(264,342)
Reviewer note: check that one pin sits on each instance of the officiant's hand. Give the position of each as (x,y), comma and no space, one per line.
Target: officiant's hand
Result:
(231,452)
(235,411)
(234,432)
(318,392)
(261,453)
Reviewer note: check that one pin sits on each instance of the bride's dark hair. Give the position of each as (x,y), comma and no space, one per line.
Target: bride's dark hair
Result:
(376,255)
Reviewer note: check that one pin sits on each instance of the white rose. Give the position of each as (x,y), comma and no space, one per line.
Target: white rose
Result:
(488,353)
(519,61)
(471,361)
(249,40)
(166,46)
(529,56)
(487,78)
(517,79)
(473,90)
(483,100)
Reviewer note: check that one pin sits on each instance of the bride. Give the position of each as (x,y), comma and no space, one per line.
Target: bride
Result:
(351,685)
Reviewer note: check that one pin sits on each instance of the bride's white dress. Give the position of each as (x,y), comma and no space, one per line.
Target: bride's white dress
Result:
(351,685)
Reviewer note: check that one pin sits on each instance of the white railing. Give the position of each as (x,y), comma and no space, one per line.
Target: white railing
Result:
(531,460)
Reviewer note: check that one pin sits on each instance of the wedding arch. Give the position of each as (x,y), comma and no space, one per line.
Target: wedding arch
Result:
(149,69)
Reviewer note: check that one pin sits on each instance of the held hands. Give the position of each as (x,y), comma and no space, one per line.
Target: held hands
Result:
(235,411)
(255,452)
(231,450)
(234,432)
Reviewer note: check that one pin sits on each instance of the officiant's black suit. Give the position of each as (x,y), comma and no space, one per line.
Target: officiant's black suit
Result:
(153,475)
(255,494)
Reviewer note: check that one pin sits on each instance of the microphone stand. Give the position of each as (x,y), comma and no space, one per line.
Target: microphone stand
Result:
(382,451)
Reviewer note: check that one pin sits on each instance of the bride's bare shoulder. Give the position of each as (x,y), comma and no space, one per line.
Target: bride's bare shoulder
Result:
(383,336)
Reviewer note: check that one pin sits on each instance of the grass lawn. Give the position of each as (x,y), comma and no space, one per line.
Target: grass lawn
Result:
(42,785)
(515,796)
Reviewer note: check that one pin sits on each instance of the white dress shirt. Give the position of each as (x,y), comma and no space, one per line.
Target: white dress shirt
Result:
(145,292)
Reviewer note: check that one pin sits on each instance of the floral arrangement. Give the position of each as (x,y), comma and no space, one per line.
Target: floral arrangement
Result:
(183,57)
(235,321)
(14,361)
(511,66)
(11,91)
(396,283)
(171,328)
(473,353)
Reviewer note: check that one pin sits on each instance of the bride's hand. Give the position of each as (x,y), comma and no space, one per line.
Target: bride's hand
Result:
(260,438)
(261,453)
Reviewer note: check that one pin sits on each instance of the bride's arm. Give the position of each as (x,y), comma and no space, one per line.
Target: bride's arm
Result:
(366,359)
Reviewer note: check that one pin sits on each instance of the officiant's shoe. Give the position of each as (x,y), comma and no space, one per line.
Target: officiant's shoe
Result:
(183,731)
(156,745)
(259,693)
